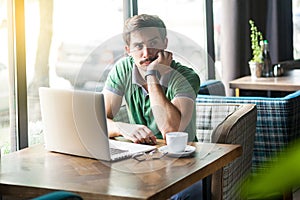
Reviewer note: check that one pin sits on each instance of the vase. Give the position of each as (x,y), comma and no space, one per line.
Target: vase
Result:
(255,69)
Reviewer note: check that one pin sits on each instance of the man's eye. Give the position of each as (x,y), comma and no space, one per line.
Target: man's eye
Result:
(139,46)
(153,43)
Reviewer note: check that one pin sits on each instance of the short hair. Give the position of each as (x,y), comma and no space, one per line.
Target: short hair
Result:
(143,21)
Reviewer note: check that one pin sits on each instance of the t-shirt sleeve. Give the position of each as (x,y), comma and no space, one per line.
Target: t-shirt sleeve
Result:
(116,79)
(186,84)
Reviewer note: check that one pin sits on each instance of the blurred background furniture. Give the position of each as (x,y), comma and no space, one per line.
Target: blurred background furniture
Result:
(59,195)
(290,82)
(278,124)
(212,87)
(289,64)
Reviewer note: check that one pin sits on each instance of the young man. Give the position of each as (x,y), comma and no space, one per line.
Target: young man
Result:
(158,91)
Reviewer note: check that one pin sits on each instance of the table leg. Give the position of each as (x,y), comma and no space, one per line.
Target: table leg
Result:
(237,92)
(288,195)
(207,188)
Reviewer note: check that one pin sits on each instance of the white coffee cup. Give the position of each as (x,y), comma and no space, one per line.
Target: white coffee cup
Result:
(176,141)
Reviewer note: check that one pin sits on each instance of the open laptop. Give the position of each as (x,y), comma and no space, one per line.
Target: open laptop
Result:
(75,123)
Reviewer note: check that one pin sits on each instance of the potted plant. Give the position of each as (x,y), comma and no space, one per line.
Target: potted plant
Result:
(256,63)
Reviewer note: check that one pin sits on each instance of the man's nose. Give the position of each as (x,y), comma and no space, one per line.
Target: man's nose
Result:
(147,51)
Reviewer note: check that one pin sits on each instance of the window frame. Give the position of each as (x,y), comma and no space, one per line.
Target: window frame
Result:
(210,38)
(18,66)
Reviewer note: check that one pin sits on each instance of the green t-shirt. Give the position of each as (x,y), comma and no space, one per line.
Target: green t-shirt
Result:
(125,80)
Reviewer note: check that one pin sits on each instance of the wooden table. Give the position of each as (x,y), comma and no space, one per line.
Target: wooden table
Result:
(289,82)
(34,171)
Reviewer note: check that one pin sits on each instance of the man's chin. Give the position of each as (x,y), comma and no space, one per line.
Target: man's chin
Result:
(143,66)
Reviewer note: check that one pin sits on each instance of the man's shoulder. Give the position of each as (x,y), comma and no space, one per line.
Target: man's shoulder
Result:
(128,61)
(183,69)
(124,65)
(187,72)
(178,66)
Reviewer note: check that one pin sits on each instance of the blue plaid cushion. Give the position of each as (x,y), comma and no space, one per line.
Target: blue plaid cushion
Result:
(278,123)
(212,87)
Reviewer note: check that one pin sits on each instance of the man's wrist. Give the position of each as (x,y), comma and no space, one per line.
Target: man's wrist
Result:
(152,73)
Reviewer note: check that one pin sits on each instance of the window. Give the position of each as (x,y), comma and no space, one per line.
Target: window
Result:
(5,141)
(186,24)
(296,28)
(61,37)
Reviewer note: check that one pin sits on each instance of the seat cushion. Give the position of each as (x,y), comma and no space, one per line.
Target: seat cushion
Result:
(209,116)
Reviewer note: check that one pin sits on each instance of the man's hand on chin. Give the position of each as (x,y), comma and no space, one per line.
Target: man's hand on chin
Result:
(162,63)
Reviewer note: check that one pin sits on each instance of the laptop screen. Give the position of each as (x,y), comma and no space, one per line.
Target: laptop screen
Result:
(75,122)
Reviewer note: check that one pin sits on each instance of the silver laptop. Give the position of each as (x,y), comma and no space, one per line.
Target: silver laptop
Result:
(75,123)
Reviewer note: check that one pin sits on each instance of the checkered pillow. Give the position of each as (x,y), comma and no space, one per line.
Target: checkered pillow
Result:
(208,117)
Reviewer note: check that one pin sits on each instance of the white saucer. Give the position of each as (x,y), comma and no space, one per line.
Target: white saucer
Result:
(188,151)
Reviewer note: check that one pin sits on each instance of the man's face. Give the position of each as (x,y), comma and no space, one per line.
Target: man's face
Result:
(145,45)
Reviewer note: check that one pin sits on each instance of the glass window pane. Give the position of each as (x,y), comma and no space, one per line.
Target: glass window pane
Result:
(186,17)
(296,28)
(61,38)
(5,141)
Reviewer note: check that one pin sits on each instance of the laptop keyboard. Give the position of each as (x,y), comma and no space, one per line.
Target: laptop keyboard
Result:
(114,151)
(119,154)
(122,150)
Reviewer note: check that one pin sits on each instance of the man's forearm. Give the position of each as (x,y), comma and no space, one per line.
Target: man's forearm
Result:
(113,128)
(166,115)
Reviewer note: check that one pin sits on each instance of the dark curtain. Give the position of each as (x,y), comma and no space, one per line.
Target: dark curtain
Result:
(272,17)
(235,40)
(279,30)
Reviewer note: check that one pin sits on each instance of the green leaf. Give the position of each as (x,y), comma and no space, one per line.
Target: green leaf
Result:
(255,36)
(281,177)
